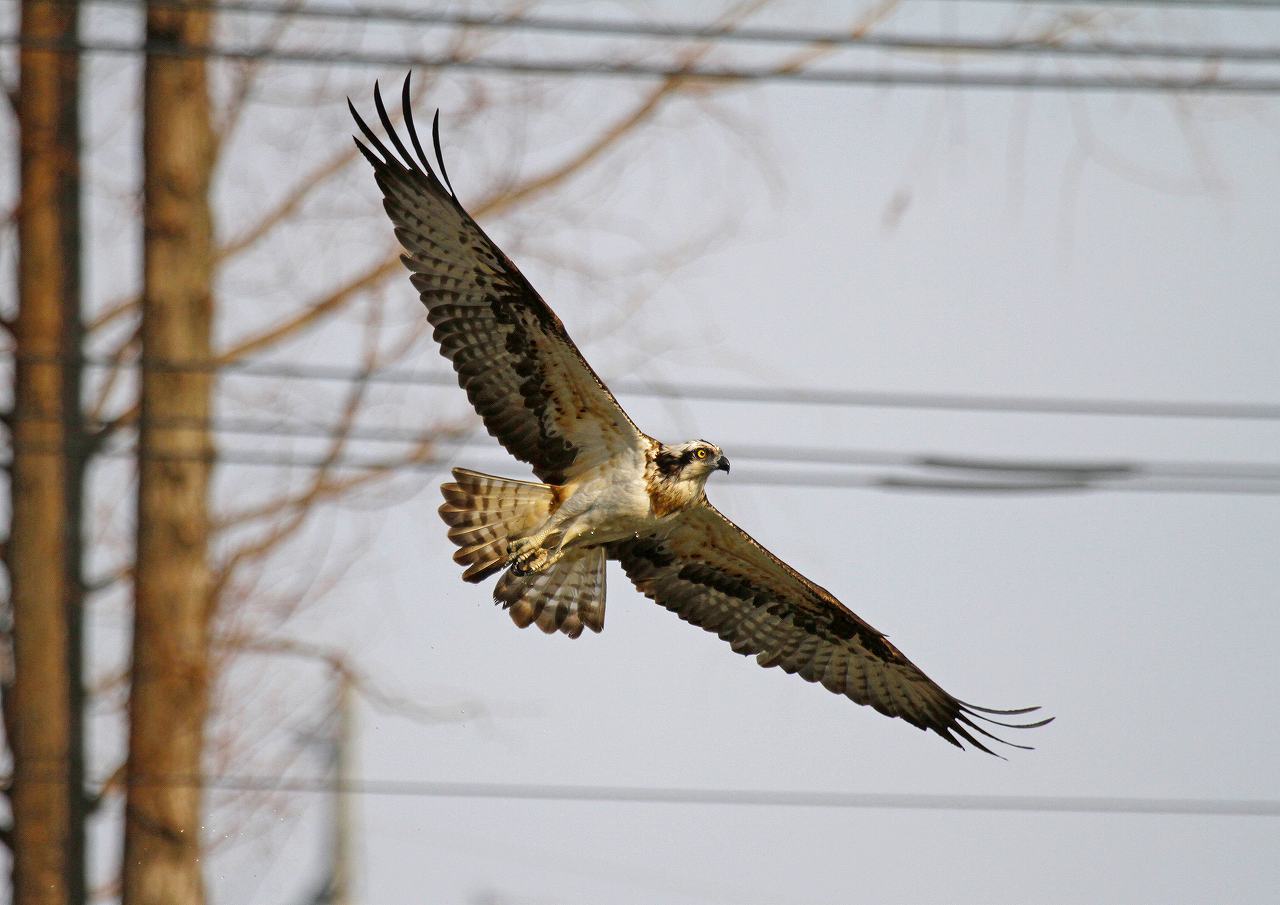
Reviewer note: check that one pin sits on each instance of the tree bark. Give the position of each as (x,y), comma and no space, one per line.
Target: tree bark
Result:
(42,703)
(170,676)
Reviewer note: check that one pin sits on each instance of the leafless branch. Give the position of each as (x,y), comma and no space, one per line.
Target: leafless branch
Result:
(112,312)
(247,75)
(116,362)
(289,525)
(460,47)
(340,663)
(288,206)
(112,785)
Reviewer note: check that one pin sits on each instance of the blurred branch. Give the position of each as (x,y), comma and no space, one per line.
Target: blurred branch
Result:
(500,201)
(318,491)
(458,48)
(320,308)
(112,785)
(330,486)
(817,51)
(297,514)
(282,212)
(361,682)
(113,312)
(247,76)
(114,369)
(288,206)
(109,579)
(325,485)
(126,418)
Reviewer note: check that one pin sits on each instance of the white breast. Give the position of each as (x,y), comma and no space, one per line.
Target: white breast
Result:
(607,503)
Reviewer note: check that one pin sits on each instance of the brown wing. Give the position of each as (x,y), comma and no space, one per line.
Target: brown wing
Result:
(710,572)
(528,381)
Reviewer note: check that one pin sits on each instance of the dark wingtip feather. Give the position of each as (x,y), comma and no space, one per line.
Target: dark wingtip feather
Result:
(976,728)
(968,737)
(1037,724)
(435,139)
(963,720)
(372,139)
(355,114)
(368,155)
(387,125)
(408,119)
(1013,712)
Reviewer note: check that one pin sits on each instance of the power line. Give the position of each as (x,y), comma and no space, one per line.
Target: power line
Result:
(1030,484)
(747,34)
(1196,84)
(967,402)
(1039,804)
(1059,468)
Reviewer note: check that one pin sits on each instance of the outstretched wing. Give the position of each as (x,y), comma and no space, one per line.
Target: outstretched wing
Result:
(528,381)
(710,572)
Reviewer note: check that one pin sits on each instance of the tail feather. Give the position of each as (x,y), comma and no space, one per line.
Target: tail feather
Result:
(484,512)
(565,597)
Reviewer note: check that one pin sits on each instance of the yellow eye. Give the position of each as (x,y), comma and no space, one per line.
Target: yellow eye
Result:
(701,454)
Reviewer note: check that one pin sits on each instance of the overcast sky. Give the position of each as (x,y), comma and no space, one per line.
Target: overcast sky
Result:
(915,240)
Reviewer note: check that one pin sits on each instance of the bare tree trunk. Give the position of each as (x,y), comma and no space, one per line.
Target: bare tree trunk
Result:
(170,679)
(42,705)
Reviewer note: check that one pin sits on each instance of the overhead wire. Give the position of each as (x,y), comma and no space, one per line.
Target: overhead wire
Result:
(760,395)
(1062,468)
(1026,484)
(1207,83)
(745,34)
(792,798)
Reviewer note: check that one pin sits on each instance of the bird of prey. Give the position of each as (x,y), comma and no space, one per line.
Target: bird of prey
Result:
(607,490)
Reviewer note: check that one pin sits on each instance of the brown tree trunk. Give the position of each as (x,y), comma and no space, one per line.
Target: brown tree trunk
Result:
(169,696)
(42,703)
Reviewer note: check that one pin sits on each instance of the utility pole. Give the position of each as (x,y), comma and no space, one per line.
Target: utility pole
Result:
(337,735)
(43,700)
(342,757)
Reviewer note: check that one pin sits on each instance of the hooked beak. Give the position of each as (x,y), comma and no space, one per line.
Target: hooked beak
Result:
(722,464)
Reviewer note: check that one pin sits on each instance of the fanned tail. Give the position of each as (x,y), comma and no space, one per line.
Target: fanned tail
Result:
(565,597)
(485,512)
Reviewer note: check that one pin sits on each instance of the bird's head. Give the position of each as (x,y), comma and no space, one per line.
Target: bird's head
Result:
(691,461)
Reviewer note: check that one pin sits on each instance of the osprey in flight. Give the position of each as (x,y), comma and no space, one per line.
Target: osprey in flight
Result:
(608,490)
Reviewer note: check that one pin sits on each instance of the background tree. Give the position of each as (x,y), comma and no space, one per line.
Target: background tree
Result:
(169,675)
(42,700)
